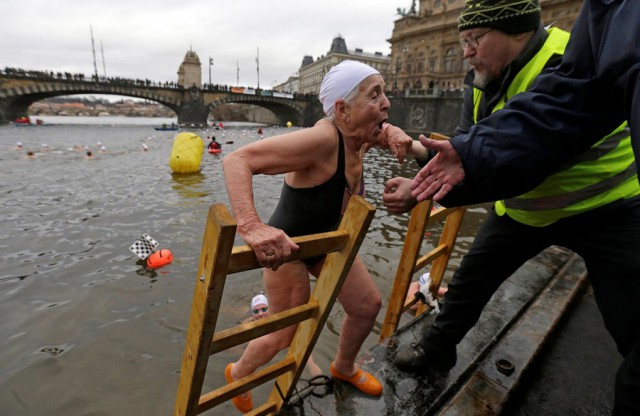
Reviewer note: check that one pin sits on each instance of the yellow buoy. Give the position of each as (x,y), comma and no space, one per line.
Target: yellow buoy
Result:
(289,124)
(186,154)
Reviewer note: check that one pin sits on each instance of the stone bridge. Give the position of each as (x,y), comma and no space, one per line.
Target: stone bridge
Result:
(192,105)
(413,114)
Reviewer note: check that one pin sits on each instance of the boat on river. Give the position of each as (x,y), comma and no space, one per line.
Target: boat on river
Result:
(26,122)
(164,127)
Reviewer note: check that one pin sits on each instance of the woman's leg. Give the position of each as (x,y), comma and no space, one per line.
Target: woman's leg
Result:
(285,288)
(361,301)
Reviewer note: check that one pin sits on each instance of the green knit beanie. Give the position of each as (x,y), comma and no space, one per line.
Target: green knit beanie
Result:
(509,16)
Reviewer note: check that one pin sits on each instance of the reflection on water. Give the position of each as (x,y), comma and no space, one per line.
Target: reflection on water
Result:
(87,328)
(190,185)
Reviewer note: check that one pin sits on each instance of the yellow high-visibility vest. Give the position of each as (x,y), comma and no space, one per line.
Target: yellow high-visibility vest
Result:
(603,174)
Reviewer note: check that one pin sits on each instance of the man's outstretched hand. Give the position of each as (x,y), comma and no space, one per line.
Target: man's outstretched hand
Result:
(441,174)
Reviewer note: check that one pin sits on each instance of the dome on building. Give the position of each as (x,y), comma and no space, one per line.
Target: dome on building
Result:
(307,60)
(338,45)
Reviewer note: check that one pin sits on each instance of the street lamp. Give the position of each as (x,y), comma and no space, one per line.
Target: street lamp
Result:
(258,64)
(210,65)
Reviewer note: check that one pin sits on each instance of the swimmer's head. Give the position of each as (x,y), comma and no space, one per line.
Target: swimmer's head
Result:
(341,82)
(259,306)
(19,144)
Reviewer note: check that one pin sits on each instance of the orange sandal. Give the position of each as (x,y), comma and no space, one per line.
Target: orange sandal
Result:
(243,404)
(361,380)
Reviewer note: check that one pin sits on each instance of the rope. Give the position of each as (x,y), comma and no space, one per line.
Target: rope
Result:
(318,386)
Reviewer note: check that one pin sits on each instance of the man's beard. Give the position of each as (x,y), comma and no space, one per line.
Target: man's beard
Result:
(481,80)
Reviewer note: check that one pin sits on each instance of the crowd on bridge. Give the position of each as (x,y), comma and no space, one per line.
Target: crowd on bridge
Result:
(79,77)
(147,83)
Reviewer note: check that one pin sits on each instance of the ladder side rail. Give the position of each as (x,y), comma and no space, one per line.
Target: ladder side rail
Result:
(447,240)
(217,243)
(406,267)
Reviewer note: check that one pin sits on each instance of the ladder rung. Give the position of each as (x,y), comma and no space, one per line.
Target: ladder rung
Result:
(431,256)
(227,392)
(408,304)
(250,330)
(439,214)
(243,258)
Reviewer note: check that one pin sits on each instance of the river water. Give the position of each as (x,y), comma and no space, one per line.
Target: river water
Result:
(86,329)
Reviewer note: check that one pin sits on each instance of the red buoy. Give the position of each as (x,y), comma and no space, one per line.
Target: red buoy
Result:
(159,258)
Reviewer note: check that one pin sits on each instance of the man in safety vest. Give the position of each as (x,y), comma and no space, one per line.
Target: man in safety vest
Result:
(590,205)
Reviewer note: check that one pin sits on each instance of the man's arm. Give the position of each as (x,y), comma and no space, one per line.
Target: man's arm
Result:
(562,115)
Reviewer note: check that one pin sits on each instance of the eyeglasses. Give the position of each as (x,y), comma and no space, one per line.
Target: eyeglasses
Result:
(473,41)
(257,311)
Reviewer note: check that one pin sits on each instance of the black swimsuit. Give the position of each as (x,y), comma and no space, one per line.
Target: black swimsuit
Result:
(303,211)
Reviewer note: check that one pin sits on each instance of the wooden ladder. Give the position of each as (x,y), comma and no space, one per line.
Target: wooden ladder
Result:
(218,259)
(422,217)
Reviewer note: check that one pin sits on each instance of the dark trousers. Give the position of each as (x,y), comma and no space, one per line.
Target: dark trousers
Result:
(607,238)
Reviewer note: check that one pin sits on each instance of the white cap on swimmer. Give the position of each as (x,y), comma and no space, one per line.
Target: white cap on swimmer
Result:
(425,279)
(340,81)
(259,300)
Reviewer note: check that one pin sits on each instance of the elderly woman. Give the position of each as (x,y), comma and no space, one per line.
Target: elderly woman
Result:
(323,166)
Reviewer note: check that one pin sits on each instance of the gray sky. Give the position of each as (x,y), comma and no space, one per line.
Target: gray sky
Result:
(148,39)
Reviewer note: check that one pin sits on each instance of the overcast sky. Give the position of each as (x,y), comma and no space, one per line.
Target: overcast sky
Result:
(148,39)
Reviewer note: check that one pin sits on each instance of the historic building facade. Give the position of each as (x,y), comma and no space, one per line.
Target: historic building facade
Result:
(312,72)
(425,51)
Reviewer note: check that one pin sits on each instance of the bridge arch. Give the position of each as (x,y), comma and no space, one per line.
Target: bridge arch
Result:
(17,96)
(284,109)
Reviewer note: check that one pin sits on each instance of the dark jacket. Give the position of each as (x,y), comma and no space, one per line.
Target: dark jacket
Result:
(595,88)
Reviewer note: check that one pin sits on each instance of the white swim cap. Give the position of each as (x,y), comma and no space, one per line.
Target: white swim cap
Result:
(340,81)
(259,299)
(18,143)
(425,279)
